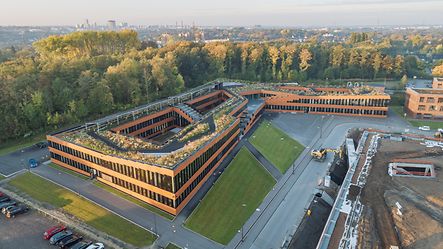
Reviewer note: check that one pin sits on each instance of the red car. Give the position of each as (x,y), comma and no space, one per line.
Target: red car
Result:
(52,231)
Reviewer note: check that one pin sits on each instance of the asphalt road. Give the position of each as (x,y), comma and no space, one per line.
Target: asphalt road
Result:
(16,161)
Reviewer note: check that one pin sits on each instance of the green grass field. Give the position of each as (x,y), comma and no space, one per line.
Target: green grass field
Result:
(276,146)
(67,171)
(93,215)
(11,146)
(232,200)
(134,200)
(172,246)
(415,122)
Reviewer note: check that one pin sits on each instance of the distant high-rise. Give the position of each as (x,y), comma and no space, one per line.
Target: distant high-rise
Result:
(112,24)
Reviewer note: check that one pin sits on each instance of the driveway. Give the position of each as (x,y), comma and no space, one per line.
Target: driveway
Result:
(16,161)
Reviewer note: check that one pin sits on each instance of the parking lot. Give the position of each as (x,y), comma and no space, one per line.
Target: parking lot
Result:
(25,231)
(19,160)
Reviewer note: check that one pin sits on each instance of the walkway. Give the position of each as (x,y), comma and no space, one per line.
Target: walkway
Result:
(265,162)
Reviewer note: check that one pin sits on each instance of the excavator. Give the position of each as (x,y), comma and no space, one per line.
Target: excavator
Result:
(320,154)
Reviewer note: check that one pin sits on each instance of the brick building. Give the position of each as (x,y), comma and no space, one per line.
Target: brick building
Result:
(426,103)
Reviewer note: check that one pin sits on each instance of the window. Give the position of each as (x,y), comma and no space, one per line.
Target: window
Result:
(422,99)
(430,100)
(421,107)
(432,108)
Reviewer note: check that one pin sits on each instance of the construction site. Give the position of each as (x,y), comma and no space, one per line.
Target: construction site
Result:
(391,195)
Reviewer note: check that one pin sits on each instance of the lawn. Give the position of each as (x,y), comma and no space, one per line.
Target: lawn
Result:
(13,145)
(68,171)
(92,214)
(276,146)
(232,200)
(415,122)
(134,200)
(172,246)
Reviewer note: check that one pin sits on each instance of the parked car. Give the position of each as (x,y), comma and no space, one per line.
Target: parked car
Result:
(81,245)
(16,211)
(96,246)
(64,240)
(53,230)
(7,208)
(4,198)
(7,204)
(41,145)
(59,236)
(71,241)
(424,128)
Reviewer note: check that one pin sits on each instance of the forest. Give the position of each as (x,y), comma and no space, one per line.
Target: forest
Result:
(64,80)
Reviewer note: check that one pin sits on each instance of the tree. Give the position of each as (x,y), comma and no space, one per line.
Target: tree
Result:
(101,100)
(399,65)
(305,57)
(438,71)
(377,63)
(404,80)
(337,56)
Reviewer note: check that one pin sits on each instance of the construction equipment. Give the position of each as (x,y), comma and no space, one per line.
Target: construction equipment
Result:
(439,133)
(320,154)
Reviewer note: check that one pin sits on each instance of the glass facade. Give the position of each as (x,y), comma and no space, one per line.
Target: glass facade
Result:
(164,182)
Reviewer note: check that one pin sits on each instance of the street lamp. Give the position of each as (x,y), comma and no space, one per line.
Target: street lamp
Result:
(242,228)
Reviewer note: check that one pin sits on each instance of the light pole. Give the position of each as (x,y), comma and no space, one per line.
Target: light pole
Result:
(321,126)
(242,227)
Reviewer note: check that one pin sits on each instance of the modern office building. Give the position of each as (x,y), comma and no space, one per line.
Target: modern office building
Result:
(426,103)
(163,152)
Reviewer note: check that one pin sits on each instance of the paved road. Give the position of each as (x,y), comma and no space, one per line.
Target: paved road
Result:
(16,161)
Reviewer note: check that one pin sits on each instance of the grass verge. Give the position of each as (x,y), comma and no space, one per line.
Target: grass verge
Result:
(172,246)
(92,214)
(14,145)
(280,149)
(67,171)
(134,200)
(416,122)
(232,200)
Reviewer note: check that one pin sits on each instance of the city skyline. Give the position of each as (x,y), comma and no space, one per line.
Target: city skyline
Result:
(226,13)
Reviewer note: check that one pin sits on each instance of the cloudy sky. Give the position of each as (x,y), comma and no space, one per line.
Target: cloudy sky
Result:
(224,12)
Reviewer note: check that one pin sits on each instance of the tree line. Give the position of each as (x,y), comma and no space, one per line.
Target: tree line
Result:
(68,79)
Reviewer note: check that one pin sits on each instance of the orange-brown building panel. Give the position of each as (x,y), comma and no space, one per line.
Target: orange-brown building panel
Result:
(170,187)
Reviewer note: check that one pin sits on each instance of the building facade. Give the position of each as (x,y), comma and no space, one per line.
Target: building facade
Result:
(425,103)
(162,153)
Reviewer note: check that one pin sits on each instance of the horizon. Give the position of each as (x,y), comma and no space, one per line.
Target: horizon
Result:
(279,13)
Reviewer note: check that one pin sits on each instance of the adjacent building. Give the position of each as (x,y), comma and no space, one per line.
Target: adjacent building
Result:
(163,152)
(425,103)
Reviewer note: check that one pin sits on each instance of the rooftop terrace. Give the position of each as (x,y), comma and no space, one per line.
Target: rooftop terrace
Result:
(183,142)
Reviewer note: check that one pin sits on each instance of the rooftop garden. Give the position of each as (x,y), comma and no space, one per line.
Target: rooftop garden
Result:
(361,90)
(196,130)
(128,142)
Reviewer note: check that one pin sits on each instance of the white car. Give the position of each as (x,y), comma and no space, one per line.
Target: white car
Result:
(96,246)
(424,128)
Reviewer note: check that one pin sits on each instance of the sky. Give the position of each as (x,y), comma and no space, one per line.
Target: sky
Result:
(291,13)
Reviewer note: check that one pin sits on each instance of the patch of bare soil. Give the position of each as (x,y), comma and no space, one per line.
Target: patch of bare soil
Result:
(421,221)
